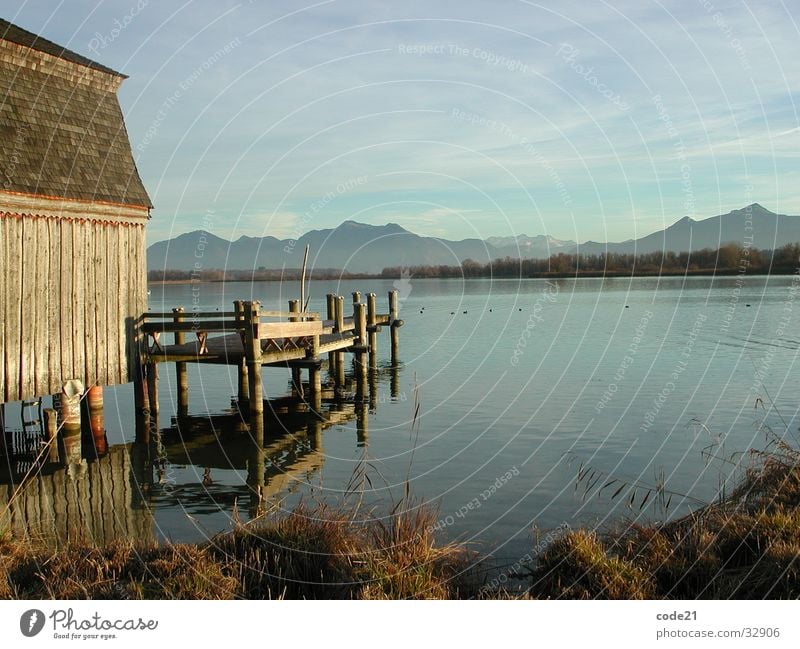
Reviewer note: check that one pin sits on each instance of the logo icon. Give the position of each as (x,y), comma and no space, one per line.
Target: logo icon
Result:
(31,622)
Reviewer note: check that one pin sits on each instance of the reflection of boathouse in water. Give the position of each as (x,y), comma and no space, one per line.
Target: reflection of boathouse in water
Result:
(117,495)
(73,318)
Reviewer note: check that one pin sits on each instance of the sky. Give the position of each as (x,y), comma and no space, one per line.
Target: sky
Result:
(581,120)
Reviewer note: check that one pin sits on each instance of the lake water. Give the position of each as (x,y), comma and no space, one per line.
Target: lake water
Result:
(518,383)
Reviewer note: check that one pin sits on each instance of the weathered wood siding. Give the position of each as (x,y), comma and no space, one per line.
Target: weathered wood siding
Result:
(99,503)
(71,290)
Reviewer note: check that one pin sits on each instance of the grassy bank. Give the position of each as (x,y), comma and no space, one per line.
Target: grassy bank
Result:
(745,546)
(308,553)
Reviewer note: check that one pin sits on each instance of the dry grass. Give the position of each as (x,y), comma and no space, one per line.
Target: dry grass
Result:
(745,546)
(306,554)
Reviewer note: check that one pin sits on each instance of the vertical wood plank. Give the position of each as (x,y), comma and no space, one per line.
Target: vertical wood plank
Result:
(29,302)
(41,359)
(54,380)
(98,232)
(102,289)
(13,309)
(66,307)
(122,303)
(81,266)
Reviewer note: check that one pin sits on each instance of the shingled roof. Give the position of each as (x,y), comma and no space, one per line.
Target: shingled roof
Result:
(62,133)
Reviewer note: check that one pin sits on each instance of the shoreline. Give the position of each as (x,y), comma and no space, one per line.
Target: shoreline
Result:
(537,276)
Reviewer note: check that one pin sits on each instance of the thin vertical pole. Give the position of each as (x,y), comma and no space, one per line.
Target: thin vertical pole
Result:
(303,281)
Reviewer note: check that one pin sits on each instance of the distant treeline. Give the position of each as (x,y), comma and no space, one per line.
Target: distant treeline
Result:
(259,275)
(728,259)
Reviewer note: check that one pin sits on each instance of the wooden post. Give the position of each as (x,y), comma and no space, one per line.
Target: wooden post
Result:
(314,374)
(372,335)
(339,316)
(51,430)
(181,373)
(360,322)
(252,349)
(330,301)
(140,396)
(394,325)
(152,388)
(70,417)
(241,370)
(94,399)
(297,380)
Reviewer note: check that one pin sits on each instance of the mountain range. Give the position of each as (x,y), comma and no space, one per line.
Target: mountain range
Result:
(361,248)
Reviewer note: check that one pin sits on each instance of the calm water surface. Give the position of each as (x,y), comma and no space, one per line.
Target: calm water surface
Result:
(518,383)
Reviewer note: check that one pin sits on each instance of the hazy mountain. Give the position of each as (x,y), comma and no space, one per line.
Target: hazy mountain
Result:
(765,230)
(357,247)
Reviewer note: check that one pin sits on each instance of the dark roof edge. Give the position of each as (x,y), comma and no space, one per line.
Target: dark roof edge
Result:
(14,34)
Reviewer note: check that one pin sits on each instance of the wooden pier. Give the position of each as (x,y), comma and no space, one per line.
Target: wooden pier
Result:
(250,339)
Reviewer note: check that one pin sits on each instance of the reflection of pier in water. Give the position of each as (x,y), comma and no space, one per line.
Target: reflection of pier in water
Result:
(101,494)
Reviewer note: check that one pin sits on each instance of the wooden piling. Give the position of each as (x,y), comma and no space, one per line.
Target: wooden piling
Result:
(360,322)
(51,430)
(241,368)
(339,328)
(356,297)
(330,314)
(252,350)
(394,325)
(314,374)
(152,389)
(297,380)
(181,373)
(372,333)
(141,397)
(94,399)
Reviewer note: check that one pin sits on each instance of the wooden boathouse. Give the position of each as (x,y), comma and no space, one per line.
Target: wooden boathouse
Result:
(73,291)
(73,211)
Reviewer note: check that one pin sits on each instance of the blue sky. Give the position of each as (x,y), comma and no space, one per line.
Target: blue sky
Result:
(581,120)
